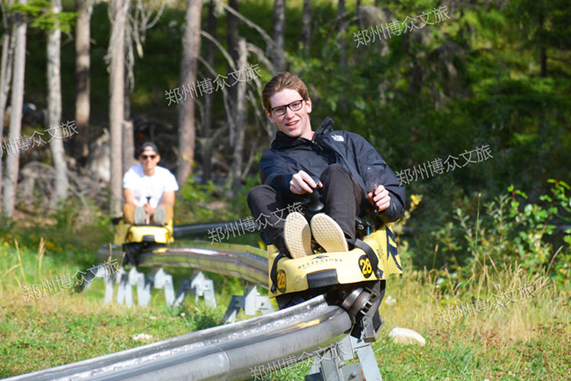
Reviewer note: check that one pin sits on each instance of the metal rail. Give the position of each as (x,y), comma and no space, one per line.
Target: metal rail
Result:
(228,352)
(246,262)
(202,229)
(196,230)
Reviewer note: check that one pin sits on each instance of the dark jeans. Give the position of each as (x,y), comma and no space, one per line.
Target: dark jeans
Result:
(342,196)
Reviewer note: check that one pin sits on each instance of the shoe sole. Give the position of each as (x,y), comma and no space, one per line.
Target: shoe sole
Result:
(160,216)
(297,235)
(139,216)
(328,233)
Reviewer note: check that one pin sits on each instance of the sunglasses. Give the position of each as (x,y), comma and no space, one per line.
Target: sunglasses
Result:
(145,157)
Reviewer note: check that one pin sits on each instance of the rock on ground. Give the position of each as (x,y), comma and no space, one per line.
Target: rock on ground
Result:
(406,336)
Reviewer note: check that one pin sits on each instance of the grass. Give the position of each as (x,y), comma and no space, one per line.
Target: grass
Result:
(50,329)
(526,340)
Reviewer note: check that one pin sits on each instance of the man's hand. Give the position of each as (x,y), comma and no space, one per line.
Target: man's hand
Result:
(149,210)
(381,198)
(302,183)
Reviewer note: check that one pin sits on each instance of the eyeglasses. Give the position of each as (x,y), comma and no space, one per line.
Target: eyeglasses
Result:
(293,106)
(145,157)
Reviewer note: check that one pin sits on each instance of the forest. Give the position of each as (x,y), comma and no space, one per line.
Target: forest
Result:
(468,101)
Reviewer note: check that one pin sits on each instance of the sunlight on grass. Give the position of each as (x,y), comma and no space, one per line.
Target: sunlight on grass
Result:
(490,343)
(468,335)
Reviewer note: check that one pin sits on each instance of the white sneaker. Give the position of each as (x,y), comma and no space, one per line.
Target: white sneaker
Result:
(160,216)
(297,235)
(328,233)
(140,216)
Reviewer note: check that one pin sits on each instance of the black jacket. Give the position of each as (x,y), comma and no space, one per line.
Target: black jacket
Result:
(288,156)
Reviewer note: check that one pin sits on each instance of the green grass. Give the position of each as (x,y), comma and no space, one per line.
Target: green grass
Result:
(526,340)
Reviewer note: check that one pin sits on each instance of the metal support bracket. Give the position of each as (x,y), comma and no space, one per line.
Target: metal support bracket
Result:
(124,290)
(199,285)
(144,283)
(251,302)
(330,366)
(367,359)
(163,281)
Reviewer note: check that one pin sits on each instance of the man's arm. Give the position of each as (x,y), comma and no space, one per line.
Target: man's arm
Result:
(398,194)
(298,182)
(275,172)
(390,197)
(129,195)
(168,197)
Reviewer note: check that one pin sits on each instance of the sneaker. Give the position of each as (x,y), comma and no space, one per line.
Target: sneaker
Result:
(140,216)
(328,233)
(297,235)
(160,216)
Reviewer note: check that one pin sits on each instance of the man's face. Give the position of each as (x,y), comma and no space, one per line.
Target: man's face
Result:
(149,159)
(293,123)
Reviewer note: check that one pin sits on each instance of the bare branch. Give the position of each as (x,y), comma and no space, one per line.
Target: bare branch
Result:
(251,24)
(221,48)
(262,57)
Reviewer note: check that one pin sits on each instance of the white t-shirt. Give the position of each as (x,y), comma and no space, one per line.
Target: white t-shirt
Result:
(153,186)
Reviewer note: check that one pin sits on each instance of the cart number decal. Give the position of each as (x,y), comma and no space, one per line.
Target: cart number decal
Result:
(281,280)
(365,266)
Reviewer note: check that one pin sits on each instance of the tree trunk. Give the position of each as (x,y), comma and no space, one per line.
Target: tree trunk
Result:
(13,159)
(278,56)
(342,20)
(128,145)
(208,99)
(241,115)
(416,77)
(54,109)
(233,36)
(306,28)
(82,81)
(116,104)
(358,13)
(5,80)
(189,67)
(128,142)
(541,44)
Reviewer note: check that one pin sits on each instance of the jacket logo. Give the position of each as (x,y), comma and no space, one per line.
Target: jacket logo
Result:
(338,138)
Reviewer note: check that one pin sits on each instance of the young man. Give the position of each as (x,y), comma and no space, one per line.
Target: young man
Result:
(340,165)
(148,190)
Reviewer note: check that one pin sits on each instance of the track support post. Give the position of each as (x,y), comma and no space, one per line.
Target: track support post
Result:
(251,302)
(367,358)
(162,280)
(198,285)
(144,283)
(330,366)
(124,289)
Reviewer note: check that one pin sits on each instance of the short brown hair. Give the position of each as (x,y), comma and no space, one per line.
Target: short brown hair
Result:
(282,81)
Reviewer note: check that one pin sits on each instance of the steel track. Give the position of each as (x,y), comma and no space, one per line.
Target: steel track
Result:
(229,352)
